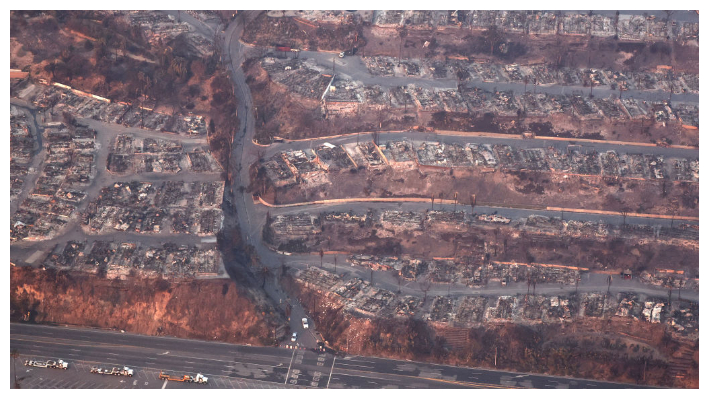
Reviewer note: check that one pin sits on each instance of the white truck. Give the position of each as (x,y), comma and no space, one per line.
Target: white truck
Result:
(125,371)
(49,364)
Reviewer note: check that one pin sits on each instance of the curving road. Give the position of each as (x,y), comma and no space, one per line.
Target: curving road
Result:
(251,217)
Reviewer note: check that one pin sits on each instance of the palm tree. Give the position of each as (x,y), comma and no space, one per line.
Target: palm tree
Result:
(14,354)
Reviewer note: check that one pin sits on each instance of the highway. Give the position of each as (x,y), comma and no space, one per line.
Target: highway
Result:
(229,365)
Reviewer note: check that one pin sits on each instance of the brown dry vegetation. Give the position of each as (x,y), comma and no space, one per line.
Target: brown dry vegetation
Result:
(108,57)
(504,189)
(554,50)
(282,114)
(589,348)
(506,244)
(288,31)
(200,309)
(565,125)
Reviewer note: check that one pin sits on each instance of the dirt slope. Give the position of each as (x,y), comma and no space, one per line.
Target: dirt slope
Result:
(201,309)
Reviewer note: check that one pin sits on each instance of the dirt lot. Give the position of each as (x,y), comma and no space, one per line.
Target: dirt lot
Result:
(186,309)
(499,188)
(567,125)
(586,348)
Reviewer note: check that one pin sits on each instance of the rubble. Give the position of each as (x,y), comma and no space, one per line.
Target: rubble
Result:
(120,259)
(334,158)
(168,207)
(59,98)
(363,300)
(68,167)
(442,310)
(299,77)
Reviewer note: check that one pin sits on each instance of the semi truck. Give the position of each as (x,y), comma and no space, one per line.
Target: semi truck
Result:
(124,371)
(199,378)
(49,364)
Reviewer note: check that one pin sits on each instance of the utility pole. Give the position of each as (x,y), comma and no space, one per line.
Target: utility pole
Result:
(610,279)
(644,368)
(577,284)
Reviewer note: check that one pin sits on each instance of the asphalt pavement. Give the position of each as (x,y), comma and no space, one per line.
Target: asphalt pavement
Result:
(251,217)
(228,365)
(459,138)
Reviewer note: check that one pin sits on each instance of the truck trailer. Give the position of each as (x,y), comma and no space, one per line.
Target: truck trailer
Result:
(199,378)
(49,364)
(124,371)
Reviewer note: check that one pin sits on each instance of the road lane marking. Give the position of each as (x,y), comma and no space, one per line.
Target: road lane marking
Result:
(72,386)
(289,366)
(356,365)
(163,385)
(360,360)
(331,368)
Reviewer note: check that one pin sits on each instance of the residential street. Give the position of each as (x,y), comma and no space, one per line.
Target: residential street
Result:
(251,217)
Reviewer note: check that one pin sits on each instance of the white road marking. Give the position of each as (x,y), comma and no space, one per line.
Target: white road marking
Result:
(331,368)
(358,365)
(289,366)
(359,360)
(163,385)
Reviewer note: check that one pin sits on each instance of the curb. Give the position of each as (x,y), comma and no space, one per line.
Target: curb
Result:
(451,202)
